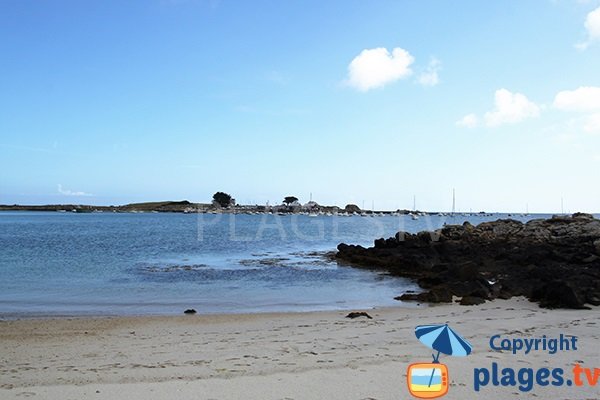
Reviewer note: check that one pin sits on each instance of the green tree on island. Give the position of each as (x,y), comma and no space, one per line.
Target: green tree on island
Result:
(223,199)
(289,200)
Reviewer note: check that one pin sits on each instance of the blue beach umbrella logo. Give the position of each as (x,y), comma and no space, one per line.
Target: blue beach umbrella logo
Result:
(430,380)
(443,339)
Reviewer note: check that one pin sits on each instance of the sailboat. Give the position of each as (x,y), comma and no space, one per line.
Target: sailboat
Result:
(414,215)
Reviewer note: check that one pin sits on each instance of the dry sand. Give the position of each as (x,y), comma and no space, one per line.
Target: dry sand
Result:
(319,355)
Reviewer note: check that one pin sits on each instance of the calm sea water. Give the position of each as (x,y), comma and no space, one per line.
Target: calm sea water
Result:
(138,264)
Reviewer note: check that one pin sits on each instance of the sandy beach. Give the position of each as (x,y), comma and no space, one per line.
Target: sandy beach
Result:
(280,356)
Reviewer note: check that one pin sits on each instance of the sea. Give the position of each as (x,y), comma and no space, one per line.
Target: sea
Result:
(111,264)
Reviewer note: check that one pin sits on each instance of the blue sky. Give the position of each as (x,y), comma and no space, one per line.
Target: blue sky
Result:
(111,102)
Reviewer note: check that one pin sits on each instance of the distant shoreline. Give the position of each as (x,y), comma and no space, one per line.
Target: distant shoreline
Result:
(189,207)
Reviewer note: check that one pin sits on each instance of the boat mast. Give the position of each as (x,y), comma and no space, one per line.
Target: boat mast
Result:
(453,201)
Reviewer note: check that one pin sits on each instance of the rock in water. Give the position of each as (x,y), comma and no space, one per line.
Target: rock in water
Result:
(356,314)
(190,311)
(552,261)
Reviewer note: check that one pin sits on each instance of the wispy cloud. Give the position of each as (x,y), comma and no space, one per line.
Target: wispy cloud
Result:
(592,124)
(30,148)
(592,28)
(430,76)
(67,192)
(468,121)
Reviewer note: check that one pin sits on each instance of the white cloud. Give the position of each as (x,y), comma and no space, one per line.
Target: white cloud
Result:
(592,124)
(374,68)
(510,108)
(584,98)
(592,27)
(67,192)
(430,76)
(468,121)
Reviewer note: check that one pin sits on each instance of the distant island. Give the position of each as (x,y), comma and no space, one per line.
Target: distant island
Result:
(222,203)
(185,206)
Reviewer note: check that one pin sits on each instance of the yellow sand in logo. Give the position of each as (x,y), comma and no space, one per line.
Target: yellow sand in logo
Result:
(425,388)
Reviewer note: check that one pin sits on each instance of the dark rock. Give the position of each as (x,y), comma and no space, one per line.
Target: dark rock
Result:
(471,301)
(468,226)
(439,295)
(401,236)
(343,247)
(468,271)
(597,246)
(426,237)
(407,297)
(558,294)
(190,311)
(580,215)
(469,288)
(480,291)
(498,259)
(380,243)
(435,295)
(356,314)
(593,299)
(430,281)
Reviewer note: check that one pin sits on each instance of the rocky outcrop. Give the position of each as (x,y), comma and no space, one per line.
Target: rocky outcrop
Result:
(555,262)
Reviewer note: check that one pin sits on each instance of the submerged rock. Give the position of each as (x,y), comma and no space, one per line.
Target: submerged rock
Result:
(554,261)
